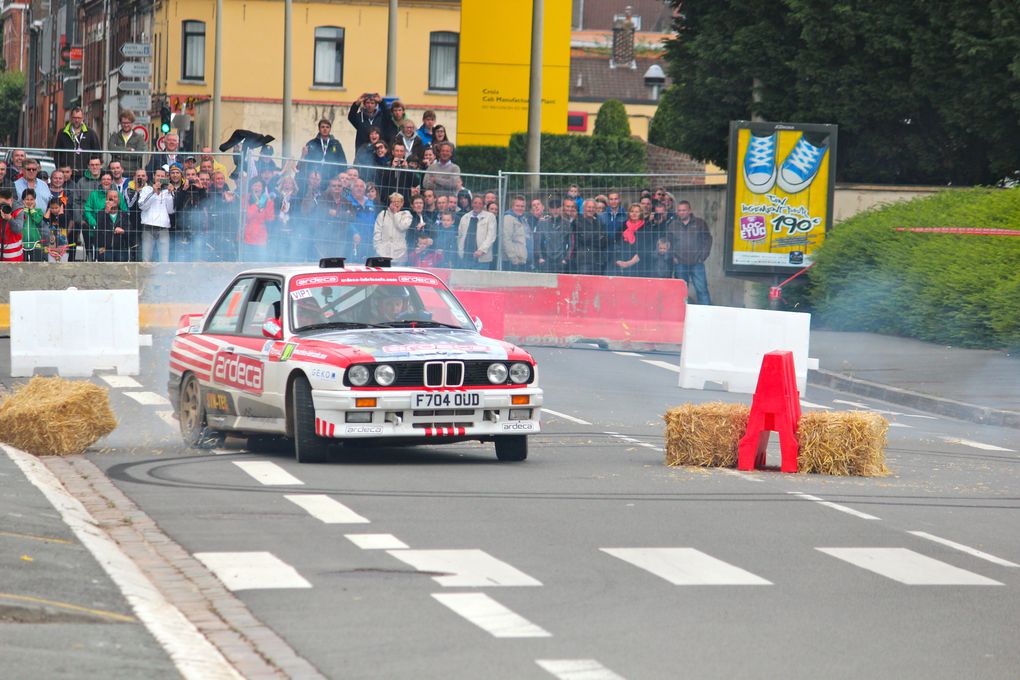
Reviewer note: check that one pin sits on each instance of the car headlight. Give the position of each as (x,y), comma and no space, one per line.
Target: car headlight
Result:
(358,375)
(520,373)
(385,375)
(496,373)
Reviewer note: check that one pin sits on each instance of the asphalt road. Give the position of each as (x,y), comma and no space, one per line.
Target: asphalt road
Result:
(593,560)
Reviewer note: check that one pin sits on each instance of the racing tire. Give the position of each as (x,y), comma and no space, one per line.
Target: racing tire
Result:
(192,419)
(512,448)
(308,446)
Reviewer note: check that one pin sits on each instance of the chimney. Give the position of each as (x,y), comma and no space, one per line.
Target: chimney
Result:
(623,42)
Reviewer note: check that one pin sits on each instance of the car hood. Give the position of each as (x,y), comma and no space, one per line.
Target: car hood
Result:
(409,344)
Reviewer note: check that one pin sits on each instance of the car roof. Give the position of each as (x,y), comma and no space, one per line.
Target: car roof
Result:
(291,271)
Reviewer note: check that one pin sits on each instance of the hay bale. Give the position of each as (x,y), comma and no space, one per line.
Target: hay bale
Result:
(705,435)
(843,443)
(54,416)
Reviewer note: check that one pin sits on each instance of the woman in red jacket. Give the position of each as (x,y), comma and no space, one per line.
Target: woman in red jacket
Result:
(260,211)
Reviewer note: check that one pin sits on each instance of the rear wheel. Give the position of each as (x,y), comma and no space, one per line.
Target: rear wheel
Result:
(191,416)
(512,448)
(308,446)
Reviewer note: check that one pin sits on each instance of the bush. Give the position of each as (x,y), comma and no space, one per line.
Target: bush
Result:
(572,154)
(481,160)
(612,120)
(946,288)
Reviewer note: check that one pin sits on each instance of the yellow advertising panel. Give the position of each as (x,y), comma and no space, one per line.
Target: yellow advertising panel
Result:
(495,63)
(780,195)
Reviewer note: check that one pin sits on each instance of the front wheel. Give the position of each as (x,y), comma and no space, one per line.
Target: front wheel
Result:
(191,416)
(512,448)
(308,446)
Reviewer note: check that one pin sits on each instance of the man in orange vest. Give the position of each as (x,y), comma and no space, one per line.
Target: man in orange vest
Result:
(12,223)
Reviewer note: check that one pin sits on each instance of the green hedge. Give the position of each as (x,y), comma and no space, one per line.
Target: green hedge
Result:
(481,160)
(612,120)
(945,288)
(581,154)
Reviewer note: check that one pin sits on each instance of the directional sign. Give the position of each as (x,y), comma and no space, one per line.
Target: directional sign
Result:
(142,120)
(134,86)
(136,69)
(136,49)
(135,102)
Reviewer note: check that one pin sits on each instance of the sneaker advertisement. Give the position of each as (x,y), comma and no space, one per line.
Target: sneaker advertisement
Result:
(779,199)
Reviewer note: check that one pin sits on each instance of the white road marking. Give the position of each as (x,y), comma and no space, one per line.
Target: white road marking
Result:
(686,567)
(967,549)
(880,411)
(168,418)
(325,509)
(834,506)
(469,568)
(120,381)
(808,404)
(270,474)
(741,474)
(224,452)
(636,442)
(662,364)
(565,416)
(627,354)
(909,567)
(252,570)
(148,398)
(901,425)
(193,655)
(974,445)
(490,616)
(577,669)
(376,541)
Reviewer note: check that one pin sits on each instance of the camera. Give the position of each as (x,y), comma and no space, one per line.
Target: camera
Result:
(5,210)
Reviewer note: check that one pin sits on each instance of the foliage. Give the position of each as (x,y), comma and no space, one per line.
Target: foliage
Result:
(576,154)
(481,160)
(923,92)
(12,93)
(946,288)
(612,120)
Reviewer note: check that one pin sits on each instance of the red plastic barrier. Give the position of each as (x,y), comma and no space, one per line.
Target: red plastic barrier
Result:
(774,408)
(488,307)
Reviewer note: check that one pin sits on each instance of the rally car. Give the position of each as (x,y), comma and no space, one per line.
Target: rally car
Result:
(342,352)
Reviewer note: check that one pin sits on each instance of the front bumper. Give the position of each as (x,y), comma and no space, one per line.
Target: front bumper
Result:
(394,415)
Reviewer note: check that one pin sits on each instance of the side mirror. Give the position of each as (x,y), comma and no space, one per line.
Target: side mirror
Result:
(273,328)
(478,324)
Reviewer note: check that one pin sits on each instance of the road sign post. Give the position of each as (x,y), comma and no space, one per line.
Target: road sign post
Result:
(136,50)
(136,69)
(135,102)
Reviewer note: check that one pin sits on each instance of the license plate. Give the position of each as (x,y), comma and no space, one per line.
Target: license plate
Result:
(447,400)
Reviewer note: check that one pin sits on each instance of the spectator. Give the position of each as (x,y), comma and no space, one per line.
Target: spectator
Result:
(127,145)
(428,197)
(87,183)
(661,220)
(428,122)
(614,217)
(35,235)
(408,138)
(574,193)
(662,259)
(134,213)
(372,191)
(207,157)
(393,123)
(398,178)
(5,181)
(288,229)
(445,241)
(12,225)
(631,247)
(55,219)
(647,208)
(380,161)
(444,174)
(31,181)
(424,255)
(120,182)
(364,155)
(73,141)
(439,137)
(419,222)
(692,243)
(591,242)
(95,204)
(222,208)
(538,223)
(156,204)
(325,148)
(556,243)
(333,226)
(18,157)
(441,204)
(514,238)
(367,112)
(428,157)
(191,228)
(171,143)
(476,236)
(260,212)
(112,231)
(309,198)
(391,224)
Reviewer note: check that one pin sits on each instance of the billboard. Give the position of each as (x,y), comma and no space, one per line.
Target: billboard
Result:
(495,63)
(779,198)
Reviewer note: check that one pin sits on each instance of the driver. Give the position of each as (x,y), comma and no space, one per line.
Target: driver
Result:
(307,312)
(389,303)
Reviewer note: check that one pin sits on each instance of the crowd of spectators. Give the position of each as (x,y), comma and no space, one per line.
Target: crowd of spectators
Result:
(403,197)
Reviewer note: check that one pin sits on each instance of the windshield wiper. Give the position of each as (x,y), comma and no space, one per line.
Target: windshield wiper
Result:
(416,323)
(334,324)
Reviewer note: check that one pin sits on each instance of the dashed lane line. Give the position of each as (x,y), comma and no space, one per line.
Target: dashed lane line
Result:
(686,567)
(572,419)
(866,407)
(909,567)
(270,474)
(465,568)
(742,475)
(577,669)
(376,541)
(252,570)
(168,418)
(662,364)
(975,445)
(326,509)
(966,549)
(121,381)
(490,615)
(834,506)
(808,404)
(627,354)
(148,398)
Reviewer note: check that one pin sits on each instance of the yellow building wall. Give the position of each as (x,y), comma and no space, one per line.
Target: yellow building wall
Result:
(638,115)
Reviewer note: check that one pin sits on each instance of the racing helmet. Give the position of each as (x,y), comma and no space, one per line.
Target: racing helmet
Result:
(307,312)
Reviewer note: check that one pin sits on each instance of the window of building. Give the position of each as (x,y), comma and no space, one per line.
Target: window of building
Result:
(329,56)
(193,50)
(443,56)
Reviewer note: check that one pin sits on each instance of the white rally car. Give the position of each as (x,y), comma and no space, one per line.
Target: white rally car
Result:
(334,353)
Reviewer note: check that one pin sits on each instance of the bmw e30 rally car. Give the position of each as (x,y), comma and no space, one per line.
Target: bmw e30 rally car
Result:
(342,352)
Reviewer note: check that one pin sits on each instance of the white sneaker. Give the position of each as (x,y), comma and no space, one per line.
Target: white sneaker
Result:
(801,166)
(760,163)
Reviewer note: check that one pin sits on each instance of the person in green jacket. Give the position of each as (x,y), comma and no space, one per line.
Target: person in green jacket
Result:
(36,233)
(95,204)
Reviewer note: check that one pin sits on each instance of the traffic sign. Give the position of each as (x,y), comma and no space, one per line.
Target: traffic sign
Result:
(134,86)
(142,121)
(135,102)
(136,50)
(136,69)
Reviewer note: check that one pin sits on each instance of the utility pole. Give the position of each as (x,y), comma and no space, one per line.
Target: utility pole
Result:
(391,51)
(217,86)
(535,96)
(287,98)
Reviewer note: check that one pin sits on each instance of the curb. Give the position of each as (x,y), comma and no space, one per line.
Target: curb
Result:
(922,402)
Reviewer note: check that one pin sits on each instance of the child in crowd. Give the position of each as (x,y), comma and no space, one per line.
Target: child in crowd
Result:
(662,261)
(446,239)
(56,220)
(424,255)
(36,234)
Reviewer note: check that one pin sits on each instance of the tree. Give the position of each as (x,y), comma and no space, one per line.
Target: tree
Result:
(12,94)
(612,120)
(923,91)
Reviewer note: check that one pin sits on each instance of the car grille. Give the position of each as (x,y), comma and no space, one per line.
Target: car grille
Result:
(430,374)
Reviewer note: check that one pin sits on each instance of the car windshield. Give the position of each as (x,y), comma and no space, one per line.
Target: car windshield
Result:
(362,300)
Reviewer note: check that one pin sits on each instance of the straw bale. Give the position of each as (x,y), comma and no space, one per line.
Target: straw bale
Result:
(843,443)
(705,435)
(54,416)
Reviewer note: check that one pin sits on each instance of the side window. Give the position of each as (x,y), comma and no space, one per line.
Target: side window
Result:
(264,305)
(225,317)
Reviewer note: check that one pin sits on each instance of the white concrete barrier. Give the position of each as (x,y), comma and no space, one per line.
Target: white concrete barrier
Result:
(725,345)
(75,331)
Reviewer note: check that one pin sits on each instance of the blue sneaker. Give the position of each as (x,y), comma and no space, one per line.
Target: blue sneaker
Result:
(801,166)
(760,164)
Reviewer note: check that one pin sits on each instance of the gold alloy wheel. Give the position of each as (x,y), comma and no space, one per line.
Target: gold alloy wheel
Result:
(190,411)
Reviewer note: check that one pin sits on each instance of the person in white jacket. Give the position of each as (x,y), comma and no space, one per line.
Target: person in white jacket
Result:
(156,204)
(391,225)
